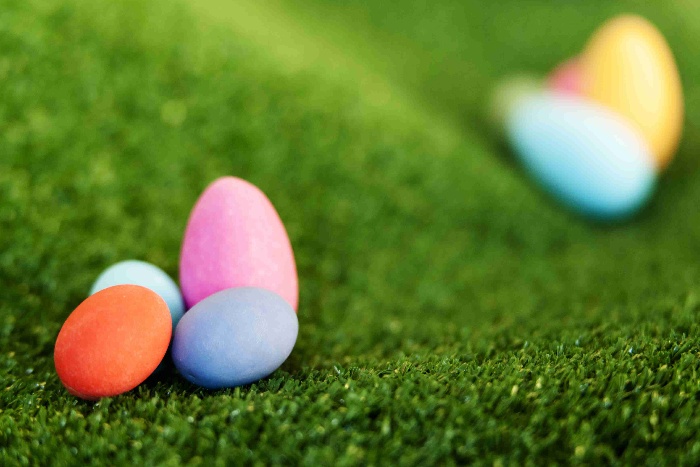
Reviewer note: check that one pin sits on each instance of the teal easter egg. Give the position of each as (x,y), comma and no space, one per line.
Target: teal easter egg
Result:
(587,156)
(146,275)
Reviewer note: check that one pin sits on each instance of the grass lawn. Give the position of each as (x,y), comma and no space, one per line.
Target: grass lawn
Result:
(450,312)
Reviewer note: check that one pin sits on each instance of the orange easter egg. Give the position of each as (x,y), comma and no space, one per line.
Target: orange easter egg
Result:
(628,66)
(112,341)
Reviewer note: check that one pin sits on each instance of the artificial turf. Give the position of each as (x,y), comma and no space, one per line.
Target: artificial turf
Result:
(450,312)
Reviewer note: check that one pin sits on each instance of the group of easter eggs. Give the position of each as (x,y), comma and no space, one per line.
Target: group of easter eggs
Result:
(239,284)
(605,123)
(596,137)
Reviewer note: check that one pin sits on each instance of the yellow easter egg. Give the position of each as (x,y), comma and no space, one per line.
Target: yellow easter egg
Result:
(628,66)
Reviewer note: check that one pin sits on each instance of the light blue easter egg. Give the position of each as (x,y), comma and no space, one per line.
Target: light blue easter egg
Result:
(587,156)
(146,275)
(234,337)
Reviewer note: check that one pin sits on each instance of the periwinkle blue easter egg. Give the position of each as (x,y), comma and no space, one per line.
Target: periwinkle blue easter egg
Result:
(146,275)
(234,337)
(587,156)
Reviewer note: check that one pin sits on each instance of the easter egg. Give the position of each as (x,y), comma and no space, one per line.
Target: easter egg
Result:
(588,157)
(112,341)
(506,94)
(566,78)
(628,66)
(235,238)
(146,275)
(234,337)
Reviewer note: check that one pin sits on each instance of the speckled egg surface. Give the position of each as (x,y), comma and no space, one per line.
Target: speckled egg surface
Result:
(234,337)
(112,341)
(235,238)
(146,275)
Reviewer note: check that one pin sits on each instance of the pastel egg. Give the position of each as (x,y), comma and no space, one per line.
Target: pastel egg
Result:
(588,157)
(112,341)
(234,337)
(235,238)
(506,94)
(146,275)
(629,67)
(566,77)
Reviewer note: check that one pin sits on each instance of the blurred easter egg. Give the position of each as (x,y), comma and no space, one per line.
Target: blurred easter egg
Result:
(587,156)
(146,275)
(235,238)
(566,77)
(112,341)
(629,67)
(506,94)
(234,337)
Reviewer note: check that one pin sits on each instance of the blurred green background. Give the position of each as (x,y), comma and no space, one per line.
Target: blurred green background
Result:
(450,312)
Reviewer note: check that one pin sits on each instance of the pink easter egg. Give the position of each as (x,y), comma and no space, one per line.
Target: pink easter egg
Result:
(566,77)
(235,238)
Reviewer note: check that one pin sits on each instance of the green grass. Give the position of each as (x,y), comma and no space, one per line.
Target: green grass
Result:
(450,312)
